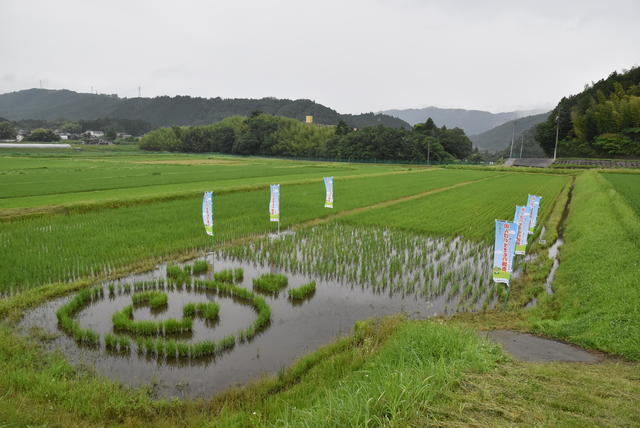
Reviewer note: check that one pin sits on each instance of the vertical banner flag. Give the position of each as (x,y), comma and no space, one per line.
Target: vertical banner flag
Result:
(522,217)
(534,203)
(504,249)
(328,186)
(207,212)
(274,204)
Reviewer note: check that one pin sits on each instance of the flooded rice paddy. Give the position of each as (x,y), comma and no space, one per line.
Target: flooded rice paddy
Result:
(359,274)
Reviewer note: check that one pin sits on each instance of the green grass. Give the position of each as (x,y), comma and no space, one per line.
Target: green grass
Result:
(468,211)
(628,185)
(596,286)
(87,244)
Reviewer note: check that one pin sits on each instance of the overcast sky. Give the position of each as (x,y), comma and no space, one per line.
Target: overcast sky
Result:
(354,56)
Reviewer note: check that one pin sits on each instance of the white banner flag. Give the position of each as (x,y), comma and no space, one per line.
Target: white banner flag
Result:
(274,203)
(328,185)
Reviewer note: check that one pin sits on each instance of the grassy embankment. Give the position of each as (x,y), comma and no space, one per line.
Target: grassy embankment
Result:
(597,284)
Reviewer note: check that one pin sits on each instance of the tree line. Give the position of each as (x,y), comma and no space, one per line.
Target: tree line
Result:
(264,134)
(602,120)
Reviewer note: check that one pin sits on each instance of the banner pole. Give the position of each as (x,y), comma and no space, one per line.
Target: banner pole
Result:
(506,300)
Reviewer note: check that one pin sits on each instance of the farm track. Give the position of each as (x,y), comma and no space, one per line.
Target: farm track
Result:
(20,213)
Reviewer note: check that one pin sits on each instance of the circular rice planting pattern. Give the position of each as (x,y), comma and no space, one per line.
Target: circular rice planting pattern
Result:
(165,338)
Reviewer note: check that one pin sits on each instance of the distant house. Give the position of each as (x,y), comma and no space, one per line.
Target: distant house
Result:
(64,136)
(19,138)
(96,134)
(123,135)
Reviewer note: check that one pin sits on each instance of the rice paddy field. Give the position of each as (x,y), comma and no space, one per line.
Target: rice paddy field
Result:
(117,309)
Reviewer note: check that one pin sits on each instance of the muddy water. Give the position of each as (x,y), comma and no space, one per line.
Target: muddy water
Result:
(294,330)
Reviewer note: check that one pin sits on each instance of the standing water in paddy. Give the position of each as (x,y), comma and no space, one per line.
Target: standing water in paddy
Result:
(324,280)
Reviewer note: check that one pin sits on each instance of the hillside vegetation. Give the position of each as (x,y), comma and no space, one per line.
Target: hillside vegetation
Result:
(499,138)
(170,111)
(601,121)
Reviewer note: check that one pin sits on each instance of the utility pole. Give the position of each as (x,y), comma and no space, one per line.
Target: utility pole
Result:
(513,138)
(555,149)
(429,152)
(521,144)
(139,91)
(40,83)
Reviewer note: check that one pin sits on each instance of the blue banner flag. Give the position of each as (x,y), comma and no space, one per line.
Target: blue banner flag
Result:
(504,250)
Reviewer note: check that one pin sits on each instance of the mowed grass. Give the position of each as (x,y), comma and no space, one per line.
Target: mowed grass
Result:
(468,211)
(51,248)
(596,286)
(628,185)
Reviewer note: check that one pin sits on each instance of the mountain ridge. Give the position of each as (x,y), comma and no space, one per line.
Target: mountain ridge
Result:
(471,121)
(53,104)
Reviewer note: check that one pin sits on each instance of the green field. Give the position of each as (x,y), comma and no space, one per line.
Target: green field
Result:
(70,219)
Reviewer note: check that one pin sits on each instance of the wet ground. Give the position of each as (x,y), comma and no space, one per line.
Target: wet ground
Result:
(294,330)
(530,348)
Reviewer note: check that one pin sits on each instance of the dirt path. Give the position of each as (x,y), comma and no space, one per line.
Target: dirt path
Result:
(530,348)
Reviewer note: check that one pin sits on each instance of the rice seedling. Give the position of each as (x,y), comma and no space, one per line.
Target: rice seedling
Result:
(155,299)
(270,282)
(208,311)
(200,267)
(303,292)
(89,243)
(232,276)
(381,259)
(66,313)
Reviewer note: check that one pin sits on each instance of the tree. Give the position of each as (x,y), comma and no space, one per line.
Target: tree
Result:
(111,134)
(41,134)
(7,131)
(342,128)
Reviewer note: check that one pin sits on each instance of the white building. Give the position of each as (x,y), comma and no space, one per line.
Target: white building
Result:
(96,133)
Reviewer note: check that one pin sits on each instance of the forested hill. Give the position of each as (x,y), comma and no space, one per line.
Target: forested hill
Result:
(471,121)
(498,138)
(170,111)
(601,121)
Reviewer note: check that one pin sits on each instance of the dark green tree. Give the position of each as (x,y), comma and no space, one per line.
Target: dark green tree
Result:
(7,131)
